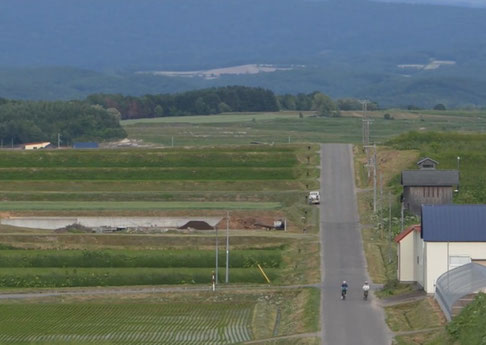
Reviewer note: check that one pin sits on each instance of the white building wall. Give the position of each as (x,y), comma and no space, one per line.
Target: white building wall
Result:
(406,258)
(437,260)
(418,259)
(475,250)
(436,263)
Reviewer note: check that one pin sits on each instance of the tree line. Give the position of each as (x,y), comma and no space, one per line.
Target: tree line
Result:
(222,100)
(29,121)
(98,116)
(198,102)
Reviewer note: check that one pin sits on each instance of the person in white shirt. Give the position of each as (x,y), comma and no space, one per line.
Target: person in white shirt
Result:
(366,288)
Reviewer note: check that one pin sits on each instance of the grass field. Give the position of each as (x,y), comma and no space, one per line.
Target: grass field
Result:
(282,127)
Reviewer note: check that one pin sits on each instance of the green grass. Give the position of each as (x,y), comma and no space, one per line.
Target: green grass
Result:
(270,258)
(132,205)
(252,157)
(235,129)
(412,316)
(220,118)
(469,327)
(154,323)
(470,148)
(142,173)
(71,277)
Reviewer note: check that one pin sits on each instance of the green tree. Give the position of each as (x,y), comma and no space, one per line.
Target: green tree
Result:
(324,105)
(158,110)
(224,108)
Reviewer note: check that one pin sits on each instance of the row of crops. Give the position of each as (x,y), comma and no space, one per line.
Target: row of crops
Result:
(169,323)
(254,157)
(70,268)
(150,173)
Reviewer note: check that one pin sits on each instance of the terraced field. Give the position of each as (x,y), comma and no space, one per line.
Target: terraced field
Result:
(170,323)
(255,177)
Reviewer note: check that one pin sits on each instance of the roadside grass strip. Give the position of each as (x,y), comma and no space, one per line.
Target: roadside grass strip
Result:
(168,323)
(133,205)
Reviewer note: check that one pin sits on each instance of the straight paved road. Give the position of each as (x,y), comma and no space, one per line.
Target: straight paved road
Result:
(352,321)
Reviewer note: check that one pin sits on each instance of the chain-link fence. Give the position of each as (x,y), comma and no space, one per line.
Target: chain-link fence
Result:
(457,283)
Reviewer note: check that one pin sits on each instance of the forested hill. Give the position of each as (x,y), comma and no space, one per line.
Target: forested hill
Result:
(195,34)
(65,49)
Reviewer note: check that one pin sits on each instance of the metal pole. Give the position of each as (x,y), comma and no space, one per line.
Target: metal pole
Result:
(374,180)
(227,248)
(217,255)
(401,214)
(389,213)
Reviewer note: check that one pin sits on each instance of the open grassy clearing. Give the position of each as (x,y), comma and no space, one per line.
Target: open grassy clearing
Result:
(237,130)
(202,318)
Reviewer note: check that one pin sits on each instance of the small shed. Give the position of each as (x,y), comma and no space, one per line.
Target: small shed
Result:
(85,145)
(428,185)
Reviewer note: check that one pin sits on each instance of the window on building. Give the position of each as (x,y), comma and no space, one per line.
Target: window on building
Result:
(458,260)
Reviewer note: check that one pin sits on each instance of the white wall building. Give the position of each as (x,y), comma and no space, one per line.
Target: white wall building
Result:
(36,146)
(449,236)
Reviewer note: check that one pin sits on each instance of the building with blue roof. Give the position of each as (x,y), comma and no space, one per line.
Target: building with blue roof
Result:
(448,236)
(85,145)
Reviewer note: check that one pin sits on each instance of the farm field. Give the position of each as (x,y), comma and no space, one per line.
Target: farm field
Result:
(71,268)
(190,318)
(282,127)
(235,178)
(257,184)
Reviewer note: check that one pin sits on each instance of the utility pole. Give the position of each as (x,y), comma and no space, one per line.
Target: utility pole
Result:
(227,247)
(372,164)
(217,255)
(364,104)
(374,179)
(58,140)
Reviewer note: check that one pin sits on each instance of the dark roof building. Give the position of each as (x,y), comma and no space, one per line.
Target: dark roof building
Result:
(454,223)
(427,185)
(427,163)
(430,177)
(85,145)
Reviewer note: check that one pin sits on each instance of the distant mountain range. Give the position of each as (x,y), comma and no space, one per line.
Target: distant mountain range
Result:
(395,53)
(462,3)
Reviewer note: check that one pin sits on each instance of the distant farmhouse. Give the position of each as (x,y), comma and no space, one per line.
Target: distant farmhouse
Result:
(427,185)
(36,146)
(449,236)
(85,145)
